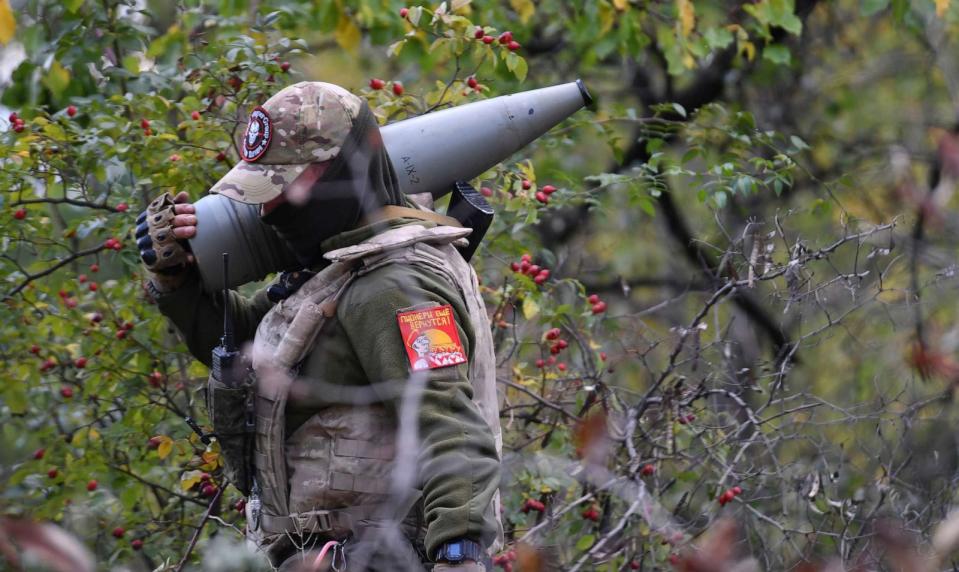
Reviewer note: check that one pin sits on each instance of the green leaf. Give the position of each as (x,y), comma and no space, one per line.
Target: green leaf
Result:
(798,143)
(777,54)
(521,69)
(56,79)
(585,542)
(871,7)
(72,5)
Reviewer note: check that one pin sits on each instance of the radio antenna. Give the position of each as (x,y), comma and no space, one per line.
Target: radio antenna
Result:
(227,340)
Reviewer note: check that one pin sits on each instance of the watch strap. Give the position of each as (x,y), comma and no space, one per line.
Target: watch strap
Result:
(460,550)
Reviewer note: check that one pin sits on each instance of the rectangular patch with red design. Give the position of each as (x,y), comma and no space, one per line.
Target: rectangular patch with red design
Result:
(430,338)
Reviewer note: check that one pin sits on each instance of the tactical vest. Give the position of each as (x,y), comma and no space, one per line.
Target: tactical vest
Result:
(334,471)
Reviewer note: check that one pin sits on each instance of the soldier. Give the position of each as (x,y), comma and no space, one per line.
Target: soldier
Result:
(333,346)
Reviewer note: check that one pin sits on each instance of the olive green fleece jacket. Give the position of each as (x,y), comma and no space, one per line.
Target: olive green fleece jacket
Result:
(458,464)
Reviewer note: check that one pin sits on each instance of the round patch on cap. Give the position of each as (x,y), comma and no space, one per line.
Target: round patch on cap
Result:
(259,133)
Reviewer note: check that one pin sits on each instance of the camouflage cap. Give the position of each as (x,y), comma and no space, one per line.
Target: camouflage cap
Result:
(301,124)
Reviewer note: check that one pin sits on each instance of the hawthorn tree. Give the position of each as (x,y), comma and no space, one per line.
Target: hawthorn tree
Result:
(728,290)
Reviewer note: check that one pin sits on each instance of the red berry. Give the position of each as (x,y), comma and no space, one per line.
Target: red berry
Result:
(726,497)
(175,157)
(527,184)
(137,544)
(155,379)
(35,349)
(94,267)
(235,82)
(48,364)
(154,442)
(540,363)
(145,123)
(127,326)
(96,317)
(562,344)
(397,88)
(82,278)
(527,257)
(533,269)
(66,392)
(195,115)
(505,38)
(542,197)
(486,191)
(673,559)
(737,490)
(554,349)
(592,513)
(285,67)
(92,485)
(471,81)
(80,362)
(20,214)
(13,117)
(524,266)
(123,207)
(549,189)
(18,127)
(377,83)
(553,333)
(52,473)
(118,532)
(634,565)
(240,505)
(404,12)
(70,302)
(208,490)
(488,39)
(514,266)
(478,34)
(39,453)
(71,110)
(147,132)
(561,366)
(541,277)
(602,356)
(593,298)
(204,477)
(513,46)
(93,286)
(647,470)
(121,334)
(599,307)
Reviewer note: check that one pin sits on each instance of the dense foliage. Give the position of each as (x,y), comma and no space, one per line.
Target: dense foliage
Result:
(750,299)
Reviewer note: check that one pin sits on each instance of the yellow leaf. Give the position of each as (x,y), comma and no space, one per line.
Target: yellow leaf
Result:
(211,458)
(942,6)
(530,308)
(607,17)
(457,5)
(347,34)
(524,8)
(621,5)
(687,16)
(749,49)
(165,448)
(7,23)
(189,479)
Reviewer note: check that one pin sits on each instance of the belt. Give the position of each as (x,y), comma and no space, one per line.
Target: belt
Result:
(317,521)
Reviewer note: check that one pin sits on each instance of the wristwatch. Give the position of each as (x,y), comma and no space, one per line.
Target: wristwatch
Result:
(460,550)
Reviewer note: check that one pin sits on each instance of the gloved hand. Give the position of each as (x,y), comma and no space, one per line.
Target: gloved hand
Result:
(469,566)
(160,234)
